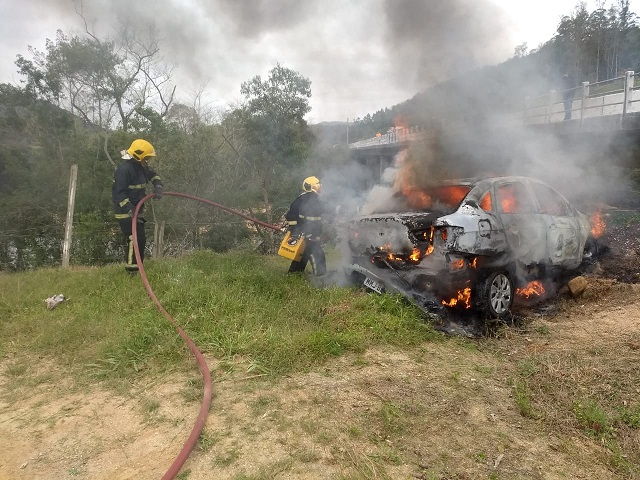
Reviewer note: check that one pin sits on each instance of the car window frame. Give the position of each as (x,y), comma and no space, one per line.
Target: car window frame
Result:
(532,199)
(568,210)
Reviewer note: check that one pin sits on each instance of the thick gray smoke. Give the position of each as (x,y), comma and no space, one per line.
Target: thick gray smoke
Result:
(255,18)
(360,55)
(429,41)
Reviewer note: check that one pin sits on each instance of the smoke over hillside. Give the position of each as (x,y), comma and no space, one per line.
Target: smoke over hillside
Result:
(431,41)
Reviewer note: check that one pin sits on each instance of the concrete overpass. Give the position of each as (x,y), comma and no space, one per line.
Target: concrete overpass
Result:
(377,153)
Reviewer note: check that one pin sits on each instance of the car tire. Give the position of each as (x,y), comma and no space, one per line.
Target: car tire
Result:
(496,294)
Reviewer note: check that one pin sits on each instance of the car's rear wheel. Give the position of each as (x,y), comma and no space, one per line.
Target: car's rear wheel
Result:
(496,294)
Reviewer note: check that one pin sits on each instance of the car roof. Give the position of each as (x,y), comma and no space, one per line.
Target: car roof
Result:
(484,183)
(475,180)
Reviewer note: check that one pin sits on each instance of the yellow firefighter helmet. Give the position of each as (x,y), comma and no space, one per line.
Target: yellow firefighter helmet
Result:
(312,184)
(141,149)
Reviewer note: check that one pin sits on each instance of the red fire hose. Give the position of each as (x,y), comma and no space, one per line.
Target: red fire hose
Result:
(206,375)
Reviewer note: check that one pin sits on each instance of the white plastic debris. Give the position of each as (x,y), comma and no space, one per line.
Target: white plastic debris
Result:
(53,302)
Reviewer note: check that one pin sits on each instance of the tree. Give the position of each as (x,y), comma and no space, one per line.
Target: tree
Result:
(521,50)
(269,133)
(107,82)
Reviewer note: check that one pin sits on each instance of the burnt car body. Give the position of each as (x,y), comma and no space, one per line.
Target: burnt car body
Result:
(469,242)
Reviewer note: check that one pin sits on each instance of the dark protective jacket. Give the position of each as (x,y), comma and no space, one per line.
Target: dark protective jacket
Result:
(305,215)
(129,186)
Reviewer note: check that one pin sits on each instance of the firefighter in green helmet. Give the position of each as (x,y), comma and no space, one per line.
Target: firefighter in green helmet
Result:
(304,218)
(129,187)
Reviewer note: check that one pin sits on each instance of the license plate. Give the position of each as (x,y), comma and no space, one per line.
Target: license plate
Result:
(373,285)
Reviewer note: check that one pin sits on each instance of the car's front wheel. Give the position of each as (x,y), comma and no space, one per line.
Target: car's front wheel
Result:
(496,294)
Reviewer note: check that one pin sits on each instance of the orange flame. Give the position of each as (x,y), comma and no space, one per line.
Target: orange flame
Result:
(598,226)
(457,264)
(462,263)
(400,122)
(414,257)
(417,196)
(532,288)
(508,199)
(452,194)
(485,202)
(463,296)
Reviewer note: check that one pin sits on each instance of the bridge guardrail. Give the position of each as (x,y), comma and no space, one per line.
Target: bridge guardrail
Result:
(398,135)
(616,96)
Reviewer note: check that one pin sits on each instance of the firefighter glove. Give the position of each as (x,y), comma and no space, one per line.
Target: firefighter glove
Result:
(157,192)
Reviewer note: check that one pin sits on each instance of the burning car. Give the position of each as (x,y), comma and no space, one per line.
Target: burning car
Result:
(469,243)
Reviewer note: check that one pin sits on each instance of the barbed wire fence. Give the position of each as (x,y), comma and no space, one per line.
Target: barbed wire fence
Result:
(96,243)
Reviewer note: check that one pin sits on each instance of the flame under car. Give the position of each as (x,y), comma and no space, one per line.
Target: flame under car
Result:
(469,243)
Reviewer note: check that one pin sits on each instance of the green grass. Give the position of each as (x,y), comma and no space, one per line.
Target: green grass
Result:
(183,475)
(233,305)
(593,418)
(522,397)
(630,416)
(625,218)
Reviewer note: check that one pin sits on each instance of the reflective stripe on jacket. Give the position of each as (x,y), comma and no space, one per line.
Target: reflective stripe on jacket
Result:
(129,186)
(305,215)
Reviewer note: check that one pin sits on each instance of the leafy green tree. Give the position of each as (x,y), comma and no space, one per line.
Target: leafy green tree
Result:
(106,82)
(39,145)
(109,83)
(269,133)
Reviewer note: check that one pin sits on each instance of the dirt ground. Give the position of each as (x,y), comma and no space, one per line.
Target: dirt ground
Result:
(444,410)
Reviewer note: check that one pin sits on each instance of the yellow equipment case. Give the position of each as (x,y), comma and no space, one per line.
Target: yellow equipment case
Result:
(292,247)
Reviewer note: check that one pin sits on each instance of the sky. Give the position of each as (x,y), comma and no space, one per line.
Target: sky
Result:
(360,55)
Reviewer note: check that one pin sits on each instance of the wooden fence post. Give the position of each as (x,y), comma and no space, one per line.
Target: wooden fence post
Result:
(68,227)
(161,240)
(158,239)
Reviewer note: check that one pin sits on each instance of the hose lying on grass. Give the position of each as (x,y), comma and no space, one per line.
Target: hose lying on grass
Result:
(190,443)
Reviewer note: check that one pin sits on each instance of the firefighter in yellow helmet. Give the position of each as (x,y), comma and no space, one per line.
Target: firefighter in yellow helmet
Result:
(129,187)
(305,218)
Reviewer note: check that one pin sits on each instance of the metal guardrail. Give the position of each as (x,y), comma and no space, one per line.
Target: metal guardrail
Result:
(614,97)
(398,135)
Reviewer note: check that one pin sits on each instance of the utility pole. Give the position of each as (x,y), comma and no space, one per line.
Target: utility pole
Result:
(347,131)
(347,139)
(68,227)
